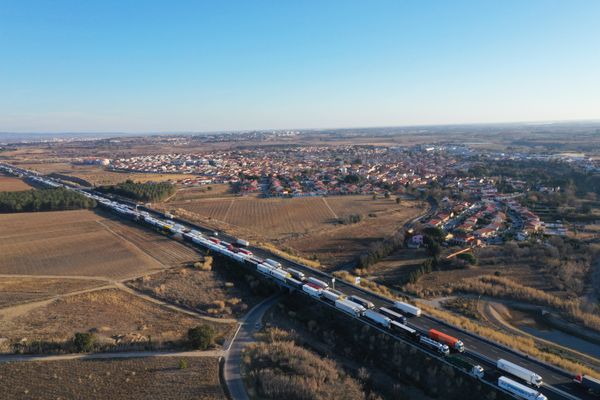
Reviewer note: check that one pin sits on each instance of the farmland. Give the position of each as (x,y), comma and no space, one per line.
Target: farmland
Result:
(307,225)
(82,243)
(10,184)
(134,379)
(18,290)
(116,317)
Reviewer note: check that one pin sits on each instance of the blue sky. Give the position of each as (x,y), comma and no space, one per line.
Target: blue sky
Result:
(163,66)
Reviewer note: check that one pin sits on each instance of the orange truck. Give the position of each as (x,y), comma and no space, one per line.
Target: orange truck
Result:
(451,341)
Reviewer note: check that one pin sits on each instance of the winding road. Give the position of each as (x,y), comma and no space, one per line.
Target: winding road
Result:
(251,323)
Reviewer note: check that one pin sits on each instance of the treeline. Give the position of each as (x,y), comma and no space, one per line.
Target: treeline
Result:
(381,249)
(149,191)
(43,200)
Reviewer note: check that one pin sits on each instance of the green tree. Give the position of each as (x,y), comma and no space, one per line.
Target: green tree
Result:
(201,337)
(83,342)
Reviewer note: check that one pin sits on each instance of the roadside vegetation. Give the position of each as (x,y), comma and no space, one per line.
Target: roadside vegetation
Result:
(149,191)
(58,199)
(496,286)
(284,370)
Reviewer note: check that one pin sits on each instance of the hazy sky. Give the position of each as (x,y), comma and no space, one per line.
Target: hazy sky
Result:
(217,65)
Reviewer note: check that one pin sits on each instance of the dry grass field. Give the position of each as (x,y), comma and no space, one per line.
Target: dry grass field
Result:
(113,315)
(395,269)
(82,243)
(306,224)
(18,290)
(132,379)
(186,194)
(216,292)
(11,184)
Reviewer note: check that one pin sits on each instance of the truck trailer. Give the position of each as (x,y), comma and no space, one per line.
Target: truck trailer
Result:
(451,341)
(520,372)
(318,282)
(297,274)
(273,263)
(332,294)
(393,315)
(439,347)
(405,330)
(365,303)
(312,290)
(519,390)
(589,383)
(350,307)
(407,308)
(378,318)
(243,242)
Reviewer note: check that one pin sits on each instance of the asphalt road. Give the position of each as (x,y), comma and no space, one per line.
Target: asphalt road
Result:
(251,323)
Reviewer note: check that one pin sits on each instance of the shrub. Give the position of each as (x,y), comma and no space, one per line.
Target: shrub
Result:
(183,364)
(83,342)
(201,337)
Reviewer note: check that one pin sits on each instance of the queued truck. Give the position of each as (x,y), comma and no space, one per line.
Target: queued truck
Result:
(407,308)
(520,372)
(451,341)
(332,294)
(441,348)
(243,242)
(350,307)
(318,282)
(589,383)
(378,318)
(363,302)
(475,370)
(519,389)
(395,316)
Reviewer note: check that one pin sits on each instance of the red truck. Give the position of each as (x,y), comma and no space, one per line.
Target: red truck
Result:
(451,341)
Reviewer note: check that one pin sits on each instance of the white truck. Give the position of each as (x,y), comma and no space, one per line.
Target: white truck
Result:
(519,390)
(407,308)
(439,347)
(363,302)
(332,294)
(312,290)
(520,372)
(297,274)
(280,274)
(265,268)
(273,263)
(378,318)
(243,242)
(318,282)
(350,307)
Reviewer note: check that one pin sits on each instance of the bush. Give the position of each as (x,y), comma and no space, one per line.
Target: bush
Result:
(350,219)
(183,364)
(201,337)
(83,342)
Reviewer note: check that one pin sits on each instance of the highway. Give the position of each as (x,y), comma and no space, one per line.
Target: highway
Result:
(557,384)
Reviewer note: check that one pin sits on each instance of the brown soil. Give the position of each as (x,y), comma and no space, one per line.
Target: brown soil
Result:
(132,379)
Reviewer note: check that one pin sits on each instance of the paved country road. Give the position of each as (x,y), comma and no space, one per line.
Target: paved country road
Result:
(233,359)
